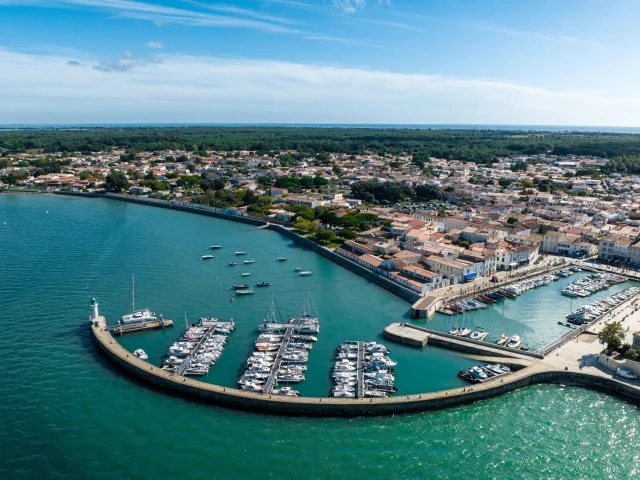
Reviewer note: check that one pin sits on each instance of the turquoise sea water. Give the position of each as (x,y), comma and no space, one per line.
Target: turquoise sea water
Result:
(67,413)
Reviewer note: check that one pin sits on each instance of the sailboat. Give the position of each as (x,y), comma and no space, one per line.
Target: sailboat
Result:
(137,316)
(305,322)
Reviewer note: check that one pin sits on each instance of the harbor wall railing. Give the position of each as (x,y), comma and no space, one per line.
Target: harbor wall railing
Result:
(310,406)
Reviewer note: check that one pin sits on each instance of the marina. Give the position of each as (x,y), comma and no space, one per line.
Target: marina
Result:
(363,370)
(532,310)
(281,352)
(592,312)
(587,286)
(198,348)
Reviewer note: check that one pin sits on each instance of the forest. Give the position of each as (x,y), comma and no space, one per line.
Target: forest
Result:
(480,146)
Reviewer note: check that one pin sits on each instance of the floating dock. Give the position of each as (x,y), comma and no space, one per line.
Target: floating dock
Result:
(120,330)
(271,381)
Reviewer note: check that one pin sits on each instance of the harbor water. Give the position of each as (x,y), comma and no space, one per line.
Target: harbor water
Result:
(534,315)
(68,413)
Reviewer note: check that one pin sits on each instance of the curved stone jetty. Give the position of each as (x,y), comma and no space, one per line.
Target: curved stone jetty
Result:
(537,372)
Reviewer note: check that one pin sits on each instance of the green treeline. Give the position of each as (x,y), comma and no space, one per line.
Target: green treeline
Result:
(480,146)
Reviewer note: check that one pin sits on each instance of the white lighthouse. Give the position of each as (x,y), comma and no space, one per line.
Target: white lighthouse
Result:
(94,309)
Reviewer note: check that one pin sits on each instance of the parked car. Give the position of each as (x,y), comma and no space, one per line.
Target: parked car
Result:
(626,373)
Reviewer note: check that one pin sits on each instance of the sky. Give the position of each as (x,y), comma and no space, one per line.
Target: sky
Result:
(543,62)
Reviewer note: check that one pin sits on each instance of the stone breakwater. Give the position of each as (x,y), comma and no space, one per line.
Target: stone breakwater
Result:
(310,406)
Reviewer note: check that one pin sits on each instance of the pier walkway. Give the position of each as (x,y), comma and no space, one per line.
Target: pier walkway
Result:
(272,380)
(360,370)
(419,336)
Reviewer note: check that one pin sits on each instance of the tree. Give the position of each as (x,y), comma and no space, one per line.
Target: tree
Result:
(116,182)
(290,183)
(335,169)
(449,189)
(325,237)
(319,181)
(511,220)
(265,181)
(612,334)
(305,225)
(504,182)
(427,192)
(347,234)
(306,182)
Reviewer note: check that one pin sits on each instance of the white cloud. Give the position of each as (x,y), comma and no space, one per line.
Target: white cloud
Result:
(124,63)
(351,6)
(45,89)
(227,17)
(155,45)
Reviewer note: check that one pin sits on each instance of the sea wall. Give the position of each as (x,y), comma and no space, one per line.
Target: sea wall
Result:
(309,406)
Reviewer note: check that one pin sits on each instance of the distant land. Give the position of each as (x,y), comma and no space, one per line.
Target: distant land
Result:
(435,126)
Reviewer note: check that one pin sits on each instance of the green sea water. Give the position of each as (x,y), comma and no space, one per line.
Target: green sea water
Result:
(65,412)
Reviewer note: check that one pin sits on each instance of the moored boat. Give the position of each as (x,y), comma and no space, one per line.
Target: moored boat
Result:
(141,354)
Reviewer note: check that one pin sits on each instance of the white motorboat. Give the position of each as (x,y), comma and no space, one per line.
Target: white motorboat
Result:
(344,368)
(241,252)
(344,388)
(375,393)
(287,391)
(514,342)
(464,332)
(479,336)
(252,387)
(502,339)
(179,351)
(478,373)
(343,394)
(215,247)
(295,377)
(306,273)
(141,354)
(207,257)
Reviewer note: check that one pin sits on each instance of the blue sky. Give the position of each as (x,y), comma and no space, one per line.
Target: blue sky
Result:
(560,62)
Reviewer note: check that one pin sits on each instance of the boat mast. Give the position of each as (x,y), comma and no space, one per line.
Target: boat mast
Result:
(133,292)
